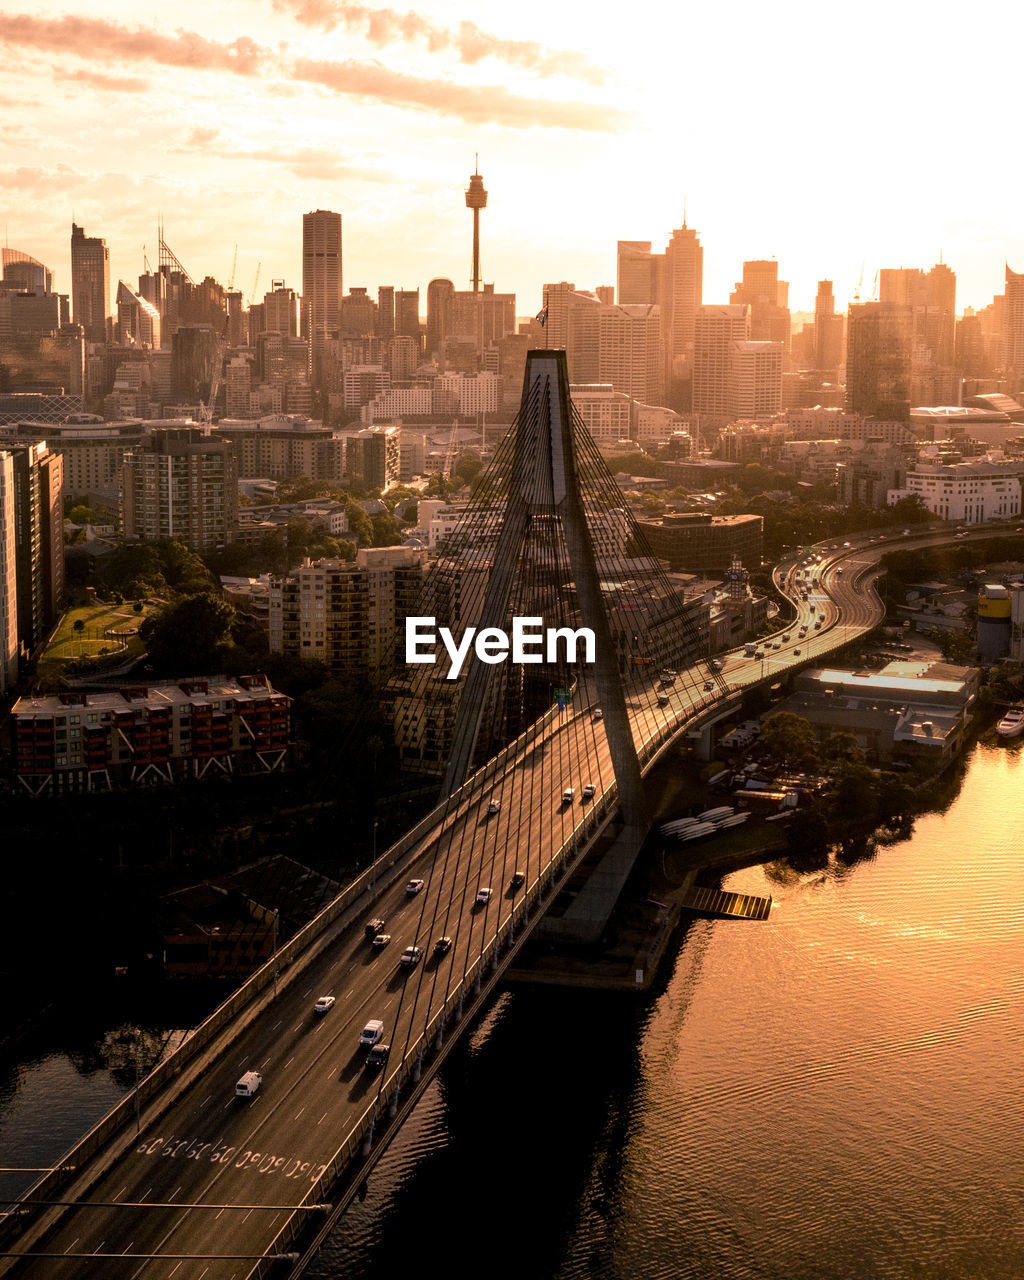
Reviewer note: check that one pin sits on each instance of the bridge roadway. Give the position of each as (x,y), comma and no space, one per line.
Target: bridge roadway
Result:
(210,1149)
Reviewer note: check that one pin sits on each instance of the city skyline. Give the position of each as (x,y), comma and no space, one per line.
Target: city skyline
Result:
(232,122)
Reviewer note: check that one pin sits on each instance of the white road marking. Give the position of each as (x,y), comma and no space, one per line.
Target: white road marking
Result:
(205,1101)
(144,1194)
(226,1105)
(322,1118)
(121,1192)
(72,1244)
(276,1024)
(299,1112)
(290,1060)
(265,1061)
(174,1193)
(176,1266)
(128,1246)
(217,1215)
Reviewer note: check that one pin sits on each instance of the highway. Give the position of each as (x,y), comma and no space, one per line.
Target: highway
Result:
(266,1154)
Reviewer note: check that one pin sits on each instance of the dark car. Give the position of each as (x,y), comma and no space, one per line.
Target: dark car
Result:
(377,1056)
(518,880)
(372,928)
(442,946)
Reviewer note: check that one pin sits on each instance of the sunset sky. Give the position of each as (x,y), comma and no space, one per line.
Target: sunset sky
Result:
(835,138)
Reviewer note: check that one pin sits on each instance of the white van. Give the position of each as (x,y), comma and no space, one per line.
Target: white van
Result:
(568,795)
(372,1032)
(249,1085)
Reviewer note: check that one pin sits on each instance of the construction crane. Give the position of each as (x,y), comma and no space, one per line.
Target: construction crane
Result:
(234,265)
(860,281)
(255,285)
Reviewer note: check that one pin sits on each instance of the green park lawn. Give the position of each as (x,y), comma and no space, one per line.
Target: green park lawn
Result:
(106,628)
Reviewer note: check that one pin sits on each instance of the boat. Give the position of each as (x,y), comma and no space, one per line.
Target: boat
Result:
(1012,723)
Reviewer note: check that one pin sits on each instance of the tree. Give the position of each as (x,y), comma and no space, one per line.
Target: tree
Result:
(790,739)
(191,636)
(467,468)
(957,646)
(386,530)
(359,523)
(841,748)
(808,836)
(78,626)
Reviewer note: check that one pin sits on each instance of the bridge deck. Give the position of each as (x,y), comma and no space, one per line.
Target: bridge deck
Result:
(732,906)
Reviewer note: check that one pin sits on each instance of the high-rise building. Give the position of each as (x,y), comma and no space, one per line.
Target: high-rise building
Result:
(36,473)
(635,277)
(281,310)
(195,351)
(629,354)
(138,321)
(716,330)
(181,484)
(440,296)
(828,331)
(21,271)
(480,318)
(931,297)
(767,297)
(8,577)
(680,290)
(755,379)
(476,199)
(407,313)
(321,276)
(90,284)
(879,338)
(1013,331)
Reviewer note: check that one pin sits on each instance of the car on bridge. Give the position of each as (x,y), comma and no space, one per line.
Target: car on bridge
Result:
(442,946)
(410,957)
(708,685)
(588,791)
(483,896)
(413,888)
(380,941)
(598,714)
(323,1004)
(493,808)
(248,1085)
(568,795)
(377,1057)
(372,928)
(517,881)
(372,1033)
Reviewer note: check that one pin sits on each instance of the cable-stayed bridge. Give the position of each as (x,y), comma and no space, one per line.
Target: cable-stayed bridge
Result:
(185,1180)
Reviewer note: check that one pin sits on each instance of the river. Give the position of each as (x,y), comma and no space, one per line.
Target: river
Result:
(832,1093)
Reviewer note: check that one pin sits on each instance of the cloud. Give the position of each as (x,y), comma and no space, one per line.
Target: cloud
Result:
(490,104)
(471,43)
(35,178)
(105,42)
(100,40)
(321,163)
(96,80)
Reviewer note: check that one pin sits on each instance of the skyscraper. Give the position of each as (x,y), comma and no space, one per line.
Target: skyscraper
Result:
(716,331)
(90,284)
(828,331)
(879,338)
(635,274)
(476,199)
(181,484)
(767,297)
(8,577)
(1013,330)
(440,294)
(680,290)
(321,275)
(37,473)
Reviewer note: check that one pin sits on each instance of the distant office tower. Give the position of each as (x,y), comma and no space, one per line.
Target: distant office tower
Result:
(321,275)
(407,313)
(635,280)
(90,284)
(476,199)
(879,336)
(828,331)
(386,310)
(481,318)
(372,458)
(767,297)
(20,271)
(38,480)
(931,297)
(358,315)
(629,354)
(755,379)
(716,329)
(8,577)
(281,310)
(440,296)
(181,484)
(237,386)
(680,289)
(1013,331)
(195,350)
(138,321)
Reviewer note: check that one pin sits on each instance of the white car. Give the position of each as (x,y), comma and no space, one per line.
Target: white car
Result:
(483,896)
(410,957)
(372,1032)
(413,887)
(493,808)
(323,1004)
(588,791)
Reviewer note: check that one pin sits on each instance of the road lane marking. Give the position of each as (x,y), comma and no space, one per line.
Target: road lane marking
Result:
(72,1244)
(226,1105)
(176,1266)
(205,1101)
(144,1194)
(121,1192)
(276,1024)
(174,1193)
(265,1061)
(299,1112)
(322,1118)
(129,1244)
(290,1061)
